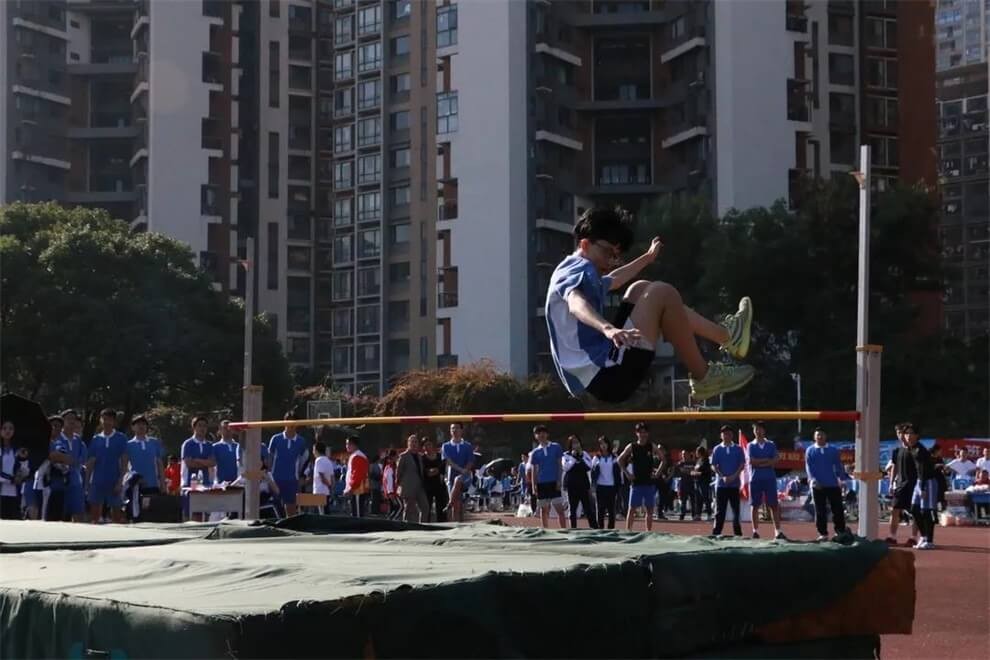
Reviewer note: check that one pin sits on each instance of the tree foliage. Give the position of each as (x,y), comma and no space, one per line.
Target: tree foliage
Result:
(94,314)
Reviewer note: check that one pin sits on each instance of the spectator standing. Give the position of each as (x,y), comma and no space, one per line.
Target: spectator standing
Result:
(576,464)
(197,458)
(375,484)
(436,491)
(685,486)
(703,474)
(606,474)
(728,461)
(637,457)
(924,500)
(67,457)
(10,479)
(458,455)
(173,475)
(961,465)
(824,468)
(411,482)
(938,463)
(663,474)
(983,462)
(390,487)
(903,478)
(287,450)
(357,476)
(105,468)
(322,474)
(144,455)
(226,450)
(546,476)
(762,458)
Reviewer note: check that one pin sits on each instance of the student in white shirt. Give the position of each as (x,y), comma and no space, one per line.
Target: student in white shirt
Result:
(322,474)
(605,474)
(983,462)
(961,465)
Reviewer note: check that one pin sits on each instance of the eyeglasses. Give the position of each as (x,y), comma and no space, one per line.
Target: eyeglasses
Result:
(609,249)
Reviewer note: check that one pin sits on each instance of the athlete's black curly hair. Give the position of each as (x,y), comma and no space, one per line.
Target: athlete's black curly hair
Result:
(605,224)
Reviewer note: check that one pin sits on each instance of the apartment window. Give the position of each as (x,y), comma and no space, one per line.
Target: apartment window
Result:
(369,243)
(342,212)
(400,196)
(369,206)
(843,147)
(369,281)
(343,285)
(367,357)
(446,25)
(343,138)
(274,77)
(343,29)
(369,169)
(298,258)
(446,112)
(881,111)
(369,94)
(368,320)
(343,65)
(881,33)
(273,179)
(400,83)
(400,157)
(399,121)
(273,8)
(325,111)
(401,9)
(343,101)
(841,69)
(370,57)
(272,274)
(343,249)
(840,30)
(399,234)
(398,320)
(883,151)
(343,360)
(398,273)
(400,45)
(370,20)
(343,322)
(369,131)
(881,72)
(343,174)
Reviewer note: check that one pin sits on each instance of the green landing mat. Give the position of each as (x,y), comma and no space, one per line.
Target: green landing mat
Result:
(313,590)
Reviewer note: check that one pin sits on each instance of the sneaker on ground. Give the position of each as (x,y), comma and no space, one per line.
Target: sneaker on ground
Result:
(756,535)
(822,537)
(924,545)
(739,325)
(779,536)
(721,379)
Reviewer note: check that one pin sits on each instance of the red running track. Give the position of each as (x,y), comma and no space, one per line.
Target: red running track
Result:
(952,613)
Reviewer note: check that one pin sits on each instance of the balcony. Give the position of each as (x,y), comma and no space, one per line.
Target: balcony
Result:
(618,14)
(693,125)
(797,186)
(300,79)
(213,136)
(692,38)
(213,68)
(214,8)
(102,132)
(209,201)
(847,7)
(447,287)
(446,360)
(798,106)
(796,23)
(116,68)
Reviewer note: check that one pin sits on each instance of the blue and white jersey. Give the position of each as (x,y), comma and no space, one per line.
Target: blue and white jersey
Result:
(579,351)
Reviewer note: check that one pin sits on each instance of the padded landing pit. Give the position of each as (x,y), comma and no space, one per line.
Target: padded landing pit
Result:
(304,588)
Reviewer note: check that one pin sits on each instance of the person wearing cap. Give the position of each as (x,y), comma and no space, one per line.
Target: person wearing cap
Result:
(105,468)
(67,454)
(144,456)
(761,455)
(636,461)
(728,461)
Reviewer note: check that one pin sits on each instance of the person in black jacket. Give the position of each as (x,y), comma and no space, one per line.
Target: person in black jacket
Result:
(577,480)
(607,476)
(685,487)
(702,474)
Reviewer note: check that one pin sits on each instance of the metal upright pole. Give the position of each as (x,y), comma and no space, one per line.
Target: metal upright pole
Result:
(867,444)
(252,396)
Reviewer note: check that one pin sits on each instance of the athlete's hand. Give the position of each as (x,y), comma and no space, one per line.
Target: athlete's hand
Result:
(656,247)
(623,337)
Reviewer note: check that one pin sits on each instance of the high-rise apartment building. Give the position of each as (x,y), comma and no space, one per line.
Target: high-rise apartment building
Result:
(964,174)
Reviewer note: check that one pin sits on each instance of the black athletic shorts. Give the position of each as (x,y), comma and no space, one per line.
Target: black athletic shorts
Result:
(902,496)
(618,382)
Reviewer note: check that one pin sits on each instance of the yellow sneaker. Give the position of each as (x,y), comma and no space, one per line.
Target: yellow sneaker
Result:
(721,379)
(738,325)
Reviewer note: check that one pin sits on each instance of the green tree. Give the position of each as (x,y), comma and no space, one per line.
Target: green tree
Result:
(94,314)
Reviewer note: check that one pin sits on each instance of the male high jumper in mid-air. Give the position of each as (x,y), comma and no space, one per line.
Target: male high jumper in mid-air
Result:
(610,360)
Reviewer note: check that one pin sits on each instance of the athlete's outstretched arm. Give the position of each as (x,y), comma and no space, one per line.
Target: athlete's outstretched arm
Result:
(622,275)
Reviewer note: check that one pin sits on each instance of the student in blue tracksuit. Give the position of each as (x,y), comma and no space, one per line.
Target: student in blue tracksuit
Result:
(728,461)
(286,450)
(226,450)
(825,469)
(105,467)
(67,455)
(762,456)
(144,454)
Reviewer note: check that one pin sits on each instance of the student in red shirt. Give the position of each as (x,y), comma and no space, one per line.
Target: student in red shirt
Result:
(357,475)
(173,475)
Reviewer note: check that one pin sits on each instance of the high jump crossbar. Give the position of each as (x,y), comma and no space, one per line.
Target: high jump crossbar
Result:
(738,415)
